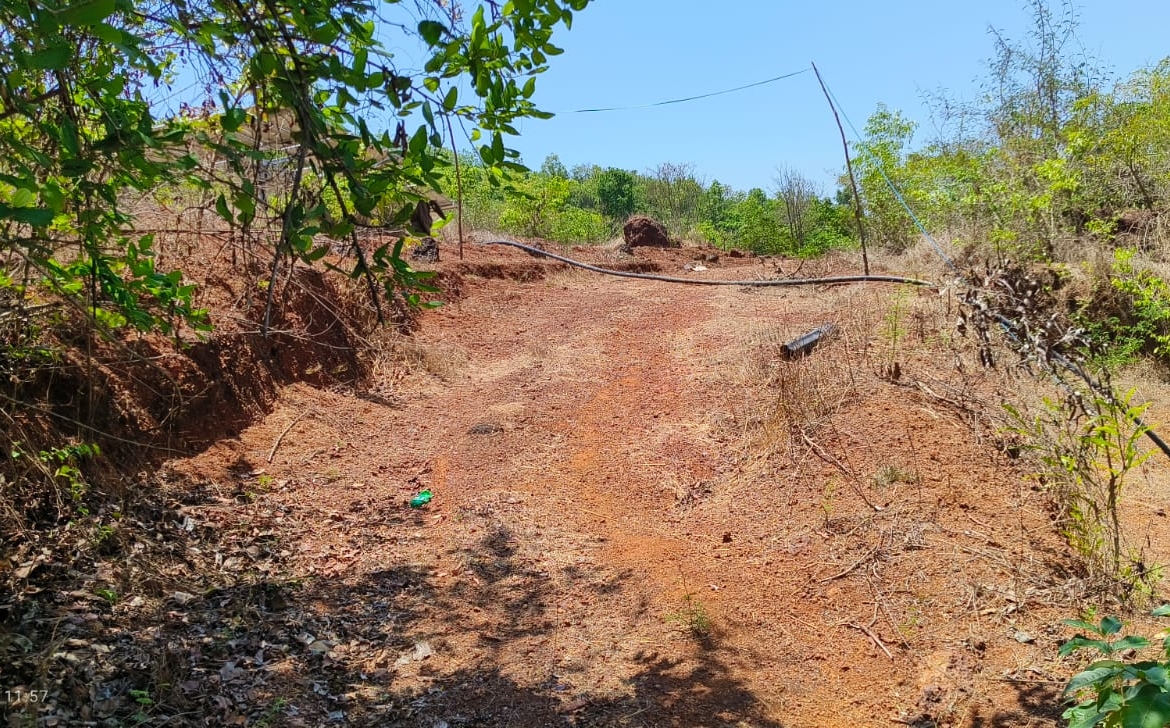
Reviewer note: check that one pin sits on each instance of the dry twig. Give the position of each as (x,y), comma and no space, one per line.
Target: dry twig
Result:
(837,463)
(280,437)
(869,633)
(868,555)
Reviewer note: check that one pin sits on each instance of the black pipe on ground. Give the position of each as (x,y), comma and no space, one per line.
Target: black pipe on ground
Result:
(805,344)
(709,282)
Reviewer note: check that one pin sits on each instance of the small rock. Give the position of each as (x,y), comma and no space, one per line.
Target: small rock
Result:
(183,598)
(319,646)
(1023,637)
(422,650)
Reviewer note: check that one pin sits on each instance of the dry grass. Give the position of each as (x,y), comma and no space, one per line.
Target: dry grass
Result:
(791,399)
(919,260)
(392,356)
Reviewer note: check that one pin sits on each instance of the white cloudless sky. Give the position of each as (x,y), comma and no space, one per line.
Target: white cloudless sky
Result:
(633,52)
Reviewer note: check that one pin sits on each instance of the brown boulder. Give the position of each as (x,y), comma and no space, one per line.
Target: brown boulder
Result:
(641,231)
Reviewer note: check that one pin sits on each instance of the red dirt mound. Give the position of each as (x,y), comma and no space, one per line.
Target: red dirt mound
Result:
(642,231)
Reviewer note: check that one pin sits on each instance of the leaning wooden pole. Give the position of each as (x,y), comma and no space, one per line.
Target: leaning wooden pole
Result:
(848,166)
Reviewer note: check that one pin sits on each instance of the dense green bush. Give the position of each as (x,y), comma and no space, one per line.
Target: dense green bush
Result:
(1051,152)
(1128,314)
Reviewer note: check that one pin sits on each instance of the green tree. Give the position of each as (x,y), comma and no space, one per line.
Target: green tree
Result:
(716,222)
(78,130)
(830,227)
(554,167)
(880,161)
(756,224)
(538,206)
(616,194)
(1119,140)
(1017,153)
(483,195)
(671,195)
(797,194)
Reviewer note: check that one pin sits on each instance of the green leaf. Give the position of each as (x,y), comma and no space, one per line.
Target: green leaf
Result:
(266,61)
(1132,642)
(316,254)
(233,119)
(431,31)
(69,138)
(52,58)
(485,154)
(110,34)
(53,197)
(1110,626)
(1080,624)
(1162,611)
(87,12)
(1158,675)
(498,146)
(221,208)
(1092,676)
(1084,715)
(451,99)
(1150,708)
(418,142)
(246,204)
(23,198)
(37,217)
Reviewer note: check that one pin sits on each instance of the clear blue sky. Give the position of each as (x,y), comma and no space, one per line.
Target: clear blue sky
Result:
(629,52)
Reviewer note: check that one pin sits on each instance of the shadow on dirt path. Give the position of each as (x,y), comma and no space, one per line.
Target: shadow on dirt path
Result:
(488,686)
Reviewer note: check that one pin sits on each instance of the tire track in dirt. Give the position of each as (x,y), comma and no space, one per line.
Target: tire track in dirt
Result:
(612,414)
(619,446)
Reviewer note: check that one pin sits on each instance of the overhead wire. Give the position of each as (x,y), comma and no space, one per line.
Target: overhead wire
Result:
(690,98)
(894,188)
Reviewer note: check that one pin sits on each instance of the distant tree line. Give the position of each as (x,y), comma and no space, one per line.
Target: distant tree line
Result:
(588,204)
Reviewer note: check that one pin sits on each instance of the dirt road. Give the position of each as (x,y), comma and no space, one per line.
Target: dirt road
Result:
(642,518)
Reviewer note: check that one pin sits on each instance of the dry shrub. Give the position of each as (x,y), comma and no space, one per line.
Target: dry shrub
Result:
(391,355)
(811,389)
(570,277)
(919,260)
